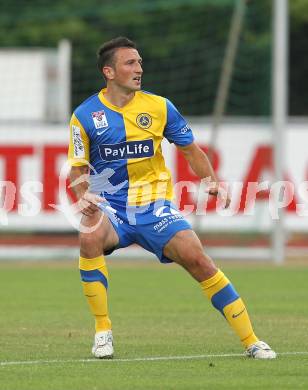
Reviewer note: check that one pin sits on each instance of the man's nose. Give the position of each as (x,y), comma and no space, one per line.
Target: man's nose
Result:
(139,68)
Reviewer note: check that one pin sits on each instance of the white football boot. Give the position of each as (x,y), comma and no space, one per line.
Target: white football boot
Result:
(103,345)
(260,350)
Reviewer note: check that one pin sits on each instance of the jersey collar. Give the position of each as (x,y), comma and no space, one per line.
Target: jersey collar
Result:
(110,105)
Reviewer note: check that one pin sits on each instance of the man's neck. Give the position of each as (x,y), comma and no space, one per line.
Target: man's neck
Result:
(118,98)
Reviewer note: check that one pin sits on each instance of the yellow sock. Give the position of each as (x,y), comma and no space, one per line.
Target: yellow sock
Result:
(94,276)
(225,299)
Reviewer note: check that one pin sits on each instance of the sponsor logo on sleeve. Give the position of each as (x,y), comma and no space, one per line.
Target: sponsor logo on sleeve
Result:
(127,150)
(185,129)
(77,142)
(99,119)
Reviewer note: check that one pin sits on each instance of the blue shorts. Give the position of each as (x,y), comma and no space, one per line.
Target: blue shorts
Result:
(151,226)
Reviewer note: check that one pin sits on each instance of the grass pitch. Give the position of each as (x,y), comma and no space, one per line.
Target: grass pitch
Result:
(46,330)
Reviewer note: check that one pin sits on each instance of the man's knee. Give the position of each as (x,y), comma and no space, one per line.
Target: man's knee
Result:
(197,261)
(88,239)
(91,245)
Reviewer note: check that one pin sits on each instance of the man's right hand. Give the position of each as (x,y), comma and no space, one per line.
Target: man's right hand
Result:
(88,203)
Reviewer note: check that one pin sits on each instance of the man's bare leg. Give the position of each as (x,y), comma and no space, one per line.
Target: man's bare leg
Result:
(94,276)
(185,249)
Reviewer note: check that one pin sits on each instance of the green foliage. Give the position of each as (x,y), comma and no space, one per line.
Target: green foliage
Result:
(182,43)
(298,64)
(298,12)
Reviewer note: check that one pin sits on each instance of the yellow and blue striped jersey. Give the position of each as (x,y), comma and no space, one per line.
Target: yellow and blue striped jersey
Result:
(123,145)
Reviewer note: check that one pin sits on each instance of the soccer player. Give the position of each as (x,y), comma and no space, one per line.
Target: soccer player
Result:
(126,198)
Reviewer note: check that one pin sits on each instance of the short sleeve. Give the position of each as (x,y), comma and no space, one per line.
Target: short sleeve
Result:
(78,151)
(177,129)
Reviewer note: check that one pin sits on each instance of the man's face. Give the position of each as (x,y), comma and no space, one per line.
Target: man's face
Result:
(127,69)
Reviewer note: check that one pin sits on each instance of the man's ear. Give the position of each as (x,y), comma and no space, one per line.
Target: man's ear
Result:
(108,72)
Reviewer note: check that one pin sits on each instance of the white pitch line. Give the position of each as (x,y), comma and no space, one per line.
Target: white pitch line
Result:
(144,359)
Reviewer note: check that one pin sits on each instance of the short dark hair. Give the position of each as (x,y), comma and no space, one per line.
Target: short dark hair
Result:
(105,54)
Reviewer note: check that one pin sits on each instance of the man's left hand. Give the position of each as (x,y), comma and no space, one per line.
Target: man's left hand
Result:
(217,190)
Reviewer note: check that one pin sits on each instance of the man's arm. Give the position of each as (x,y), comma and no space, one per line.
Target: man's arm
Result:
(79,180)
(87,202)
(202,167)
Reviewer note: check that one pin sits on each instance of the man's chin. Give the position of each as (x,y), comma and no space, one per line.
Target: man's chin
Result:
(133,88)
(136,86)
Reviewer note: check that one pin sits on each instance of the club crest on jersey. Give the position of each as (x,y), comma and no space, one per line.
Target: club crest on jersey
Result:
(99,119)
(144,120)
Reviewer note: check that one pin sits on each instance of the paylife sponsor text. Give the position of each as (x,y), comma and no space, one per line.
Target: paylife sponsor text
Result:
(127,150)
